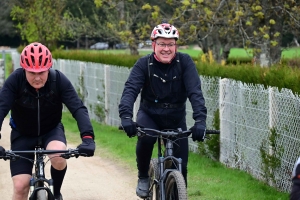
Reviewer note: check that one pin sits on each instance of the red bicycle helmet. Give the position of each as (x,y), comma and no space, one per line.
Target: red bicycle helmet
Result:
(36,57)
(164,30)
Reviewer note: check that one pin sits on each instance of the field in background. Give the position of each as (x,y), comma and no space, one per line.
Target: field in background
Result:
(194,52)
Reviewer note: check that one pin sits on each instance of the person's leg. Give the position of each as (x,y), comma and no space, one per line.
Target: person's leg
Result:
(295,192)
(144,149)
(55,140)
(21,169)
(145,144)
(21,186)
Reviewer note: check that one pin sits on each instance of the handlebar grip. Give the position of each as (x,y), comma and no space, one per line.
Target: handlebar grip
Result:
(212,132)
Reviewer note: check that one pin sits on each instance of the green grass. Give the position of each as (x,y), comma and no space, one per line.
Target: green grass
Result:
(8,63)
(207,179)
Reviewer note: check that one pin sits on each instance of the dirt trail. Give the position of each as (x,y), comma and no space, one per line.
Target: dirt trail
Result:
(93,178)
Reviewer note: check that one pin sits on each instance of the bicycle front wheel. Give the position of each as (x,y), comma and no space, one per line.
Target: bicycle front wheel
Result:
(154,175)
(175,186)
(41,194)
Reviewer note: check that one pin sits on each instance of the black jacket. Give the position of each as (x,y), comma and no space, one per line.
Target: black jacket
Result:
(36,113)
(167,86)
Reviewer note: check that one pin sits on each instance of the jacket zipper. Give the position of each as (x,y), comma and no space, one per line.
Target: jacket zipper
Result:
(38,110)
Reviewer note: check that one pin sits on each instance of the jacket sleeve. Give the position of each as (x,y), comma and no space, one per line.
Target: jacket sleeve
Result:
(133,87)
(193,86)
(75,105)
(9,92)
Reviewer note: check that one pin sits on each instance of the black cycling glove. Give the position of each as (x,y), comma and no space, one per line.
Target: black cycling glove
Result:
(87,146)
(129,126)
(2,152)
(198,131)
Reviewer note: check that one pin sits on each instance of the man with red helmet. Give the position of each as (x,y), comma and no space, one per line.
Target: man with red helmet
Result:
(166,78)
(36,113)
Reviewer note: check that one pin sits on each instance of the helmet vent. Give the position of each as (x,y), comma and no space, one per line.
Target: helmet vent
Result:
(27,62)
(46,61)
(40,60)
(33,61)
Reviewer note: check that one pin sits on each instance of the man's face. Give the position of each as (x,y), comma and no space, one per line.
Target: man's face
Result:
(37,79)
(164,48)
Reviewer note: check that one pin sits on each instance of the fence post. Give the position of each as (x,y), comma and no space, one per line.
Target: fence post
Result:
(4,61)
(106,93)
(2,72)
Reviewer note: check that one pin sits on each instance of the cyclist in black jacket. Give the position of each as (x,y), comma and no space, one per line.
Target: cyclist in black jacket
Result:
(166,78)
(36,101)
(295,191)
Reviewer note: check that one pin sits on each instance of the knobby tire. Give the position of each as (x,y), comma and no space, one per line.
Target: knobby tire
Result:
(154,174)
(175,186)
(41,194)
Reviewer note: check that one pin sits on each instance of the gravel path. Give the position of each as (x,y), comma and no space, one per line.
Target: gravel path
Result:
(93,178)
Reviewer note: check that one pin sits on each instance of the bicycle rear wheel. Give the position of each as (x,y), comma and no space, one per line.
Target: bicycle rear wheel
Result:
(175,186)
(154,175)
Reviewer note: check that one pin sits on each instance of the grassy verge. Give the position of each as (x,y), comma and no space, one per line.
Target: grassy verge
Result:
(8,64)
(207,179)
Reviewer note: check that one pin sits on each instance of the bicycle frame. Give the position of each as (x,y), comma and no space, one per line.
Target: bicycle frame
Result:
(162,163)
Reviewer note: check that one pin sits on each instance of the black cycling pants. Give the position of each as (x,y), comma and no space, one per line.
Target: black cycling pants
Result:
(295,192)
(145,146)
(21,142)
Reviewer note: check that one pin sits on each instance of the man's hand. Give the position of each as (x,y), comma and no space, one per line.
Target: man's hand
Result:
(129,126)
(198,131)
(87,146)
(2,152)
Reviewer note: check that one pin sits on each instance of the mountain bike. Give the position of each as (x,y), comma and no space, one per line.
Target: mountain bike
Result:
(41,188)
(165,171)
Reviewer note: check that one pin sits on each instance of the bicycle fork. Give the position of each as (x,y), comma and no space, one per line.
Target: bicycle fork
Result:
(37,181)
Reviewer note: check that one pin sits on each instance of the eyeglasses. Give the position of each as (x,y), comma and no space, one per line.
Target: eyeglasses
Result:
(163,45)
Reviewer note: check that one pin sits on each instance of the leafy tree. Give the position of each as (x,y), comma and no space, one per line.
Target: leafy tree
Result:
(6,24)
(218,25)
(40,20)
(130,20)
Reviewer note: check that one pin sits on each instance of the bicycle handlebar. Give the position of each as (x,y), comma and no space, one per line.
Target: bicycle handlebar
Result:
(64,153)
(169,132)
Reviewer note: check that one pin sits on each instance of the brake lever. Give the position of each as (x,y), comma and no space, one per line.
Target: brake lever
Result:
(140,133)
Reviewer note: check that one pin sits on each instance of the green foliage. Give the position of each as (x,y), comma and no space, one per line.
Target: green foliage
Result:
(100,110)
(39,21)
(211,146)
(81,88)
(8,64)
(97,57)
(280,76)
(271,154)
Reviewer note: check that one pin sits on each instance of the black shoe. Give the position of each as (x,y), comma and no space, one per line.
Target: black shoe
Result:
(142,189)
(59,197)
